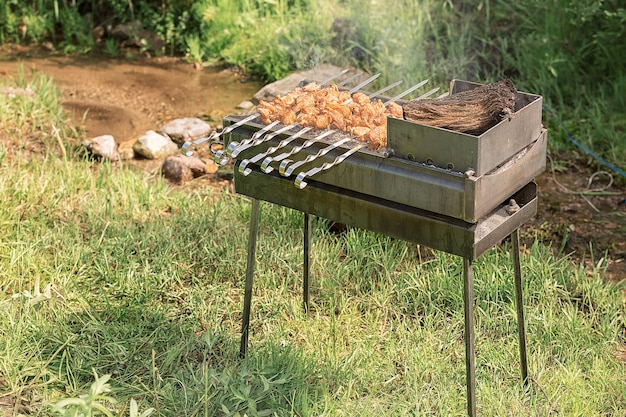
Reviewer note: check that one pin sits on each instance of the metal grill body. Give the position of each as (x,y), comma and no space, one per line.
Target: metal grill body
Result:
(458,193)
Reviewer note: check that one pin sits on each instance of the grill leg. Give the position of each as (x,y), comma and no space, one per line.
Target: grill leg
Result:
(307,253)
(470,360)
(247,299)
(519,302)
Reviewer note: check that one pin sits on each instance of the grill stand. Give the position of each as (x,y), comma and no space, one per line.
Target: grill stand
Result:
(468,301)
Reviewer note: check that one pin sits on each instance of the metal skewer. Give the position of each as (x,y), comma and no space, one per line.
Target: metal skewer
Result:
(255,136)
(300,183)
(216,135)
(349,79)
(285,172)
(385,89)
(260,139)
(244,163)
(333,77)
(265,166)
(364,83)
(406,92)
(223,155)
(428,93)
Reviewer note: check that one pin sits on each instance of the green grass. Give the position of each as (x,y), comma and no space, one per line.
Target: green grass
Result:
(108,271)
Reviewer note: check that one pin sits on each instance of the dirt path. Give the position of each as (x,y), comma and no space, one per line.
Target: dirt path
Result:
(127,97)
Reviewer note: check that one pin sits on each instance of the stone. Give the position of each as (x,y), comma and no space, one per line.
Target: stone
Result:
(184,129)
(245,105)
(134,34)
(127,30)
(152,145)
(281,87)
(211,167)
(180,168)
(125,151)
(103,146)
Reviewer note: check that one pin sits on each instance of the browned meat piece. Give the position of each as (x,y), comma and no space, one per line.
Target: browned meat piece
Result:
(395,110)
(377,137)
(322,121)
(267,112)
(360,98)
(359,132)
(310,87)
(288,117)
(304,100)
(324,107)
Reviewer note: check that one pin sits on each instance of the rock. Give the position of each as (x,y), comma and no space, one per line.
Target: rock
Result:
(180,168)
(245,105)
(134,34)
(152,145)
(125,151)
(188,128)
(127,30)
(197,167)
(103,147)
(48,46)
(280,87)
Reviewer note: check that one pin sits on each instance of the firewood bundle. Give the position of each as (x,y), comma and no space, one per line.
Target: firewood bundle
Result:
(473,111)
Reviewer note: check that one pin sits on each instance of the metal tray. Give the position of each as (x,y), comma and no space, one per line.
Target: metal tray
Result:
(460,151)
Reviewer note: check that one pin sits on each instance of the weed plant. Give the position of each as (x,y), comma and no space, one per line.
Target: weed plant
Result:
(112,274)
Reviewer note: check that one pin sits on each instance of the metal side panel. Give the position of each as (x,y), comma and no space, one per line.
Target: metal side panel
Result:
(510,177)
(408,223)
(500,223)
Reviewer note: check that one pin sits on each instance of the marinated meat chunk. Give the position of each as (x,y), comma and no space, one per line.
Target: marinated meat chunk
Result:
(329,107)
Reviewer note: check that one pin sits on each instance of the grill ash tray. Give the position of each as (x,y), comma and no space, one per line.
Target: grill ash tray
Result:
(464,196)
(460,151)
(455,236)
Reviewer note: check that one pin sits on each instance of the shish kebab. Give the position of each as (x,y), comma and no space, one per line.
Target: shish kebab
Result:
(265,166)
(234,148)
(300,179)
(247,144)
(244,163)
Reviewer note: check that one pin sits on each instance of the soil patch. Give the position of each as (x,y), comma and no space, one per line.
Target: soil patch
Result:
(582,213)
(127,97)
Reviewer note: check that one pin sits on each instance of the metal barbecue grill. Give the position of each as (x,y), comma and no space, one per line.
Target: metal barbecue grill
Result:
(450,191)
